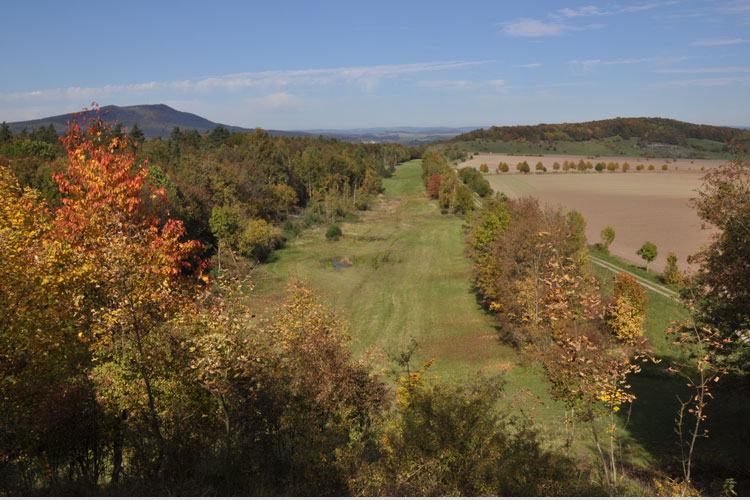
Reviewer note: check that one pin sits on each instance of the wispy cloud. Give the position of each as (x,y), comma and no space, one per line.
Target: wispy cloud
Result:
(445,84)
(719,41)
(276,101)
(725,69)
(365,77)
(589,10)
(498,85)
(529,65)
(534,28)
(645,6)
(590,63)
(557,23)
(713,82)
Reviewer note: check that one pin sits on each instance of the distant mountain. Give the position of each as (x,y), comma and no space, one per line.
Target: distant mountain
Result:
(153,119)
(404,135)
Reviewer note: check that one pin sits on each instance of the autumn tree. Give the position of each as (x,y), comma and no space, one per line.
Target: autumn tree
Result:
(721,284)
(672,274)
(140,269)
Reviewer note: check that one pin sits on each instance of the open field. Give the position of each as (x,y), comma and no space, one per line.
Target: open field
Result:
(410,277)
(639,206)
(682,164)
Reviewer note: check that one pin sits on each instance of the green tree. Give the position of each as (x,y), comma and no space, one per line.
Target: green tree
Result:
(608,236)
(5,134)
(648,253)
(136,134)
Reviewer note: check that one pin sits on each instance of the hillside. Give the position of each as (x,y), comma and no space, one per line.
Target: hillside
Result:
(619,136)
(153,119)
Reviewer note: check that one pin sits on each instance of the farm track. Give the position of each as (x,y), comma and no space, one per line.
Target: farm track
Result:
(654,287)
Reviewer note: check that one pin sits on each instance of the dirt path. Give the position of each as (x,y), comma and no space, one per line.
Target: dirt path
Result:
(654,287)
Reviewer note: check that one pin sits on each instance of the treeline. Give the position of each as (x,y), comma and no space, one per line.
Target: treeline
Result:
(650,129)
(235,188)
(453,190)
(124,370)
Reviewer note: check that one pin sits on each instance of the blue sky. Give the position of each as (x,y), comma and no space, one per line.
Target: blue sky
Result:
(325,64)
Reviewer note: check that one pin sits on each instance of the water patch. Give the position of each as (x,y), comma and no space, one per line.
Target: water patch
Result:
(341,263)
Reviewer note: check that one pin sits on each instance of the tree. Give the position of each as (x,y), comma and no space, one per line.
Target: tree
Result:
(721,285)
(599,167)
(5,134)
(139,269)
(136,134)
(608,236)
(648,253)
(433,186)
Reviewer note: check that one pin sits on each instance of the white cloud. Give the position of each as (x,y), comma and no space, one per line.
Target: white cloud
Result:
(646,6)
(590,63)
(529,65)
(364,77)
(445,84)
(726,69)
(589,10)
(277,101)
(712,82)
(718,42)
(534,28)
(498,85)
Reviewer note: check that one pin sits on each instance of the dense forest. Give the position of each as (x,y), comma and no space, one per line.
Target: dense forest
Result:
(661,130)
(247,190)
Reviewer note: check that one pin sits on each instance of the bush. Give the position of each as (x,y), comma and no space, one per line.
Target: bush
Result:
(258,239)
(599,167)
(484,168)
(334,232)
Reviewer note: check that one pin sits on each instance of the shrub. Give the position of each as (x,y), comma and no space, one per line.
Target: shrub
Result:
(484,168)
(599,167)
(333,232)
(664,167)
(639,167)
(672,274)
(555,166)
(651,167)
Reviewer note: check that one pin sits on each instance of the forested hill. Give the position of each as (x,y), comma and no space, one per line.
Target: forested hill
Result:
(153,119)
(661,130)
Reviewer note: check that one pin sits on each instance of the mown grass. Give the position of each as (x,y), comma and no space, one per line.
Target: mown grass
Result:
(410,278)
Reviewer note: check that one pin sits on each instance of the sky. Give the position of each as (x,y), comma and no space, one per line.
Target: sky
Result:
(319,64)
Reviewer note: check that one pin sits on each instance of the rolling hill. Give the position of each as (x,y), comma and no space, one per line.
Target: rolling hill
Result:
(655,137)
(153,119)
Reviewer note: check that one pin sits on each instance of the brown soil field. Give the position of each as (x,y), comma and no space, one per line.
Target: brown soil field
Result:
(648,206)
(681,164)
